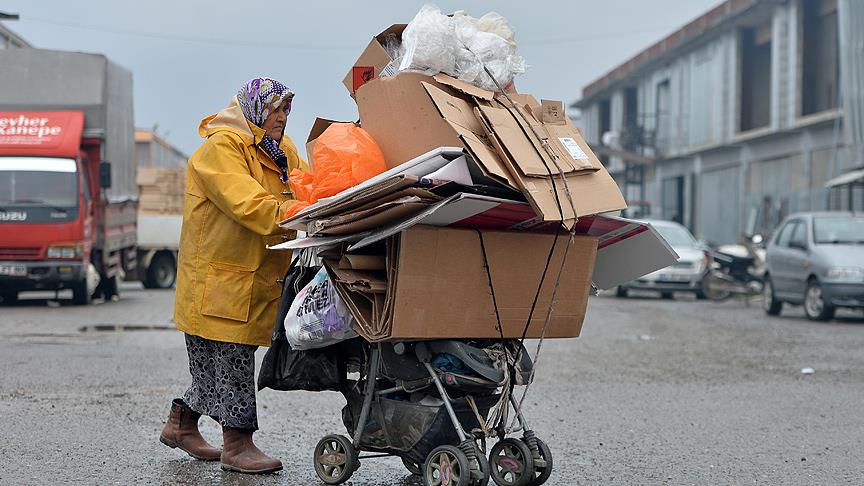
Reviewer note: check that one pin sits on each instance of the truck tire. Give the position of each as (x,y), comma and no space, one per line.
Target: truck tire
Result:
(80,294)
(161,273)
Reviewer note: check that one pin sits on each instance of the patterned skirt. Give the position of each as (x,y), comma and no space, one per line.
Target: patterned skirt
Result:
(223,382)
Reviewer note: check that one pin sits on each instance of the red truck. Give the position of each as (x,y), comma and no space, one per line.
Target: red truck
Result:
(68,199)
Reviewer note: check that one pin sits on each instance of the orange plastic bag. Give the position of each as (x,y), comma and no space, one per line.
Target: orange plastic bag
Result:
(344,156)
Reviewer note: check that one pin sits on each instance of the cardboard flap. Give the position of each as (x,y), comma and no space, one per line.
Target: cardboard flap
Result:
(454,110)
(464,87)
(513,138)
(552,112)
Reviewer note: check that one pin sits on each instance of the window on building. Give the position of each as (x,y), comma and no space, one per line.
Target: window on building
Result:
(631,106)
(673,199)
(605,117)
(755,77)
(819,56)
(631,129)
(662,112)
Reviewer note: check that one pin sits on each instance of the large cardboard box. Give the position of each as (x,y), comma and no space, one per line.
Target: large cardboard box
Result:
(514,140)
(374,60)
(436,285)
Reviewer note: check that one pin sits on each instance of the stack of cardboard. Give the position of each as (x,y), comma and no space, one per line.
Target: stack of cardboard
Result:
(468,235)
(160,190)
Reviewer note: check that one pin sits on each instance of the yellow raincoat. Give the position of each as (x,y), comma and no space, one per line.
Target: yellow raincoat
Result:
(226,278)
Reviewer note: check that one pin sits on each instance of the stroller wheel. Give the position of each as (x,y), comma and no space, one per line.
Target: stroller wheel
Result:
(511,463)
(542,473)
(446,465)
(335,459)
(412,466)
(484,468)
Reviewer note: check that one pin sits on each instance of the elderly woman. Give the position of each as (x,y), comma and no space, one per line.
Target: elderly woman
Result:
(227,291)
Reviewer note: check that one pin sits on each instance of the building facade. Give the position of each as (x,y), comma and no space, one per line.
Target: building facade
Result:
(154,151)
(737,119)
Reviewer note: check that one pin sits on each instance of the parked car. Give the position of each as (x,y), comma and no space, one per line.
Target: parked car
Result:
(685,275)
(816,259)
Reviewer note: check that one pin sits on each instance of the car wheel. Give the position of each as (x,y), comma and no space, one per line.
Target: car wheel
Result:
(621,292)
(770,303)
(814,303)
(667,295)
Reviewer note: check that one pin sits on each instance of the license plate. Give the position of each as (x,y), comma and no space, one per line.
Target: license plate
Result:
(13,270)
(673,277)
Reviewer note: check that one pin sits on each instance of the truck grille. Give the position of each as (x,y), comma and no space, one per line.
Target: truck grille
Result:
(24,253)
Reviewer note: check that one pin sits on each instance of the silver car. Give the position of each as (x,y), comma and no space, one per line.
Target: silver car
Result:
(683,276)
(816,259)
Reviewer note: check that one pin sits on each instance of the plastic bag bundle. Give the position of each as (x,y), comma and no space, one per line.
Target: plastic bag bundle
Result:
(318,317)
(344,156)
(462,46)
(428,44)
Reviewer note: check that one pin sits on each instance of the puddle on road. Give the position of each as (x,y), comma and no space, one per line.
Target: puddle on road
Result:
(125,327)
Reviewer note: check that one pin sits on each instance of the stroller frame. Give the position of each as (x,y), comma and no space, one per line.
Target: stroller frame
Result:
(515,462)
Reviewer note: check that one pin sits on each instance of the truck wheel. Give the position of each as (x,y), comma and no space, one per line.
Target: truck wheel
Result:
(161,273)
(80,294)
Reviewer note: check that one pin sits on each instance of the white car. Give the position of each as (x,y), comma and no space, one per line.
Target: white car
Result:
(683,276)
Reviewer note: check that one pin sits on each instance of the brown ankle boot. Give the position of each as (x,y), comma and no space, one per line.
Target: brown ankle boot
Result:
(240,454)
(181,431)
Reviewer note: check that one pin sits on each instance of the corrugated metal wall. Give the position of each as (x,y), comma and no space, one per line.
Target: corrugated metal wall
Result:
(851,20)
(719,205)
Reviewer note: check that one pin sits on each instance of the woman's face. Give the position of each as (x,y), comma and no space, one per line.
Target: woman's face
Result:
(274,125)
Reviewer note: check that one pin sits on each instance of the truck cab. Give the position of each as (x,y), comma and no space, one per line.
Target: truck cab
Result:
(67,214)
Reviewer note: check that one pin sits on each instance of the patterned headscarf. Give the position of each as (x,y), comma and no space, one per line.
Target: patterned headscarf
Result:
(258,98)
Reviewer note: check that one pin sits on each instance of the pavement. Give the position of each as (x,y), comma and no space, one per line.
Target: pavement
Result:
(653,392)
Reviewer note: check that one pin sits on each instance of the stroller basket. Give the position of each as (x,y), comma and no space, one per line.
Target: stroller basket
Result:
(409,429)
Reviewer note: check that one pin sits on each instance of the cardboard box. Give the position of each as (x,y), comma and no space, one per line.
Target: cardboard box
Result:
(437,285)
(409,114)
(373,61)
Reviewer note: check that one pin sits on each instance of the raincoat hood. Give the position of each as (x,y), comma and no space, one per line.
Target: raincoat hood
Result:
(232,119)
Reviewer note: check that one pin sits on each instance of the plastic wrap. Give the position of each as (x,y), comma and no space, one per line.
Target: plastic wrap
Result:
(428,43)
(461,46)
(318,317)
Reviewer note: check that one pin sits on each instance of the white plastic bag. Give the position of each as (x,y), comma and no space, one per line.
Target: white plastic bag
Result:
(318,317)
(428,43)
(461,46)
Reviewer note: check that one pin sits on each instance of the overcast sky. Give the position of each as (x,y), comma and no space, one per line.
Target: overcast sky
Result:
(189,57)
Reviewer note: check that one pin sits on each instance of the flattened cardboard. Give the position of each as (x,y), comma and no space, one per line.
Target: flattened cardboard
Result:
(377,220)
(624,259)
(438,286)
(363,262)
(394,179)
(592,192)
(436,115)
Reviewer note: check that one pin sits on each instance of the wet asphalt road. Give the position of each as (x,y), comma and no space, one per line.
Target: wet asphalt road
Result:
(654,392)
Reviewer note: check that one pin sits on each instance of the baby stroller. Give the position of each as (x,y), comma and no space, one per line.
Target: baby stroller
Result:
(428,402)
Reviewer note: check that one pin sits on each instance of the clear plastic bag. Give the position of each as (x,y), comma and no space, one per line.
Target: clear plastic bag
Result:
(428,44)
(462,46)
(318,317)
